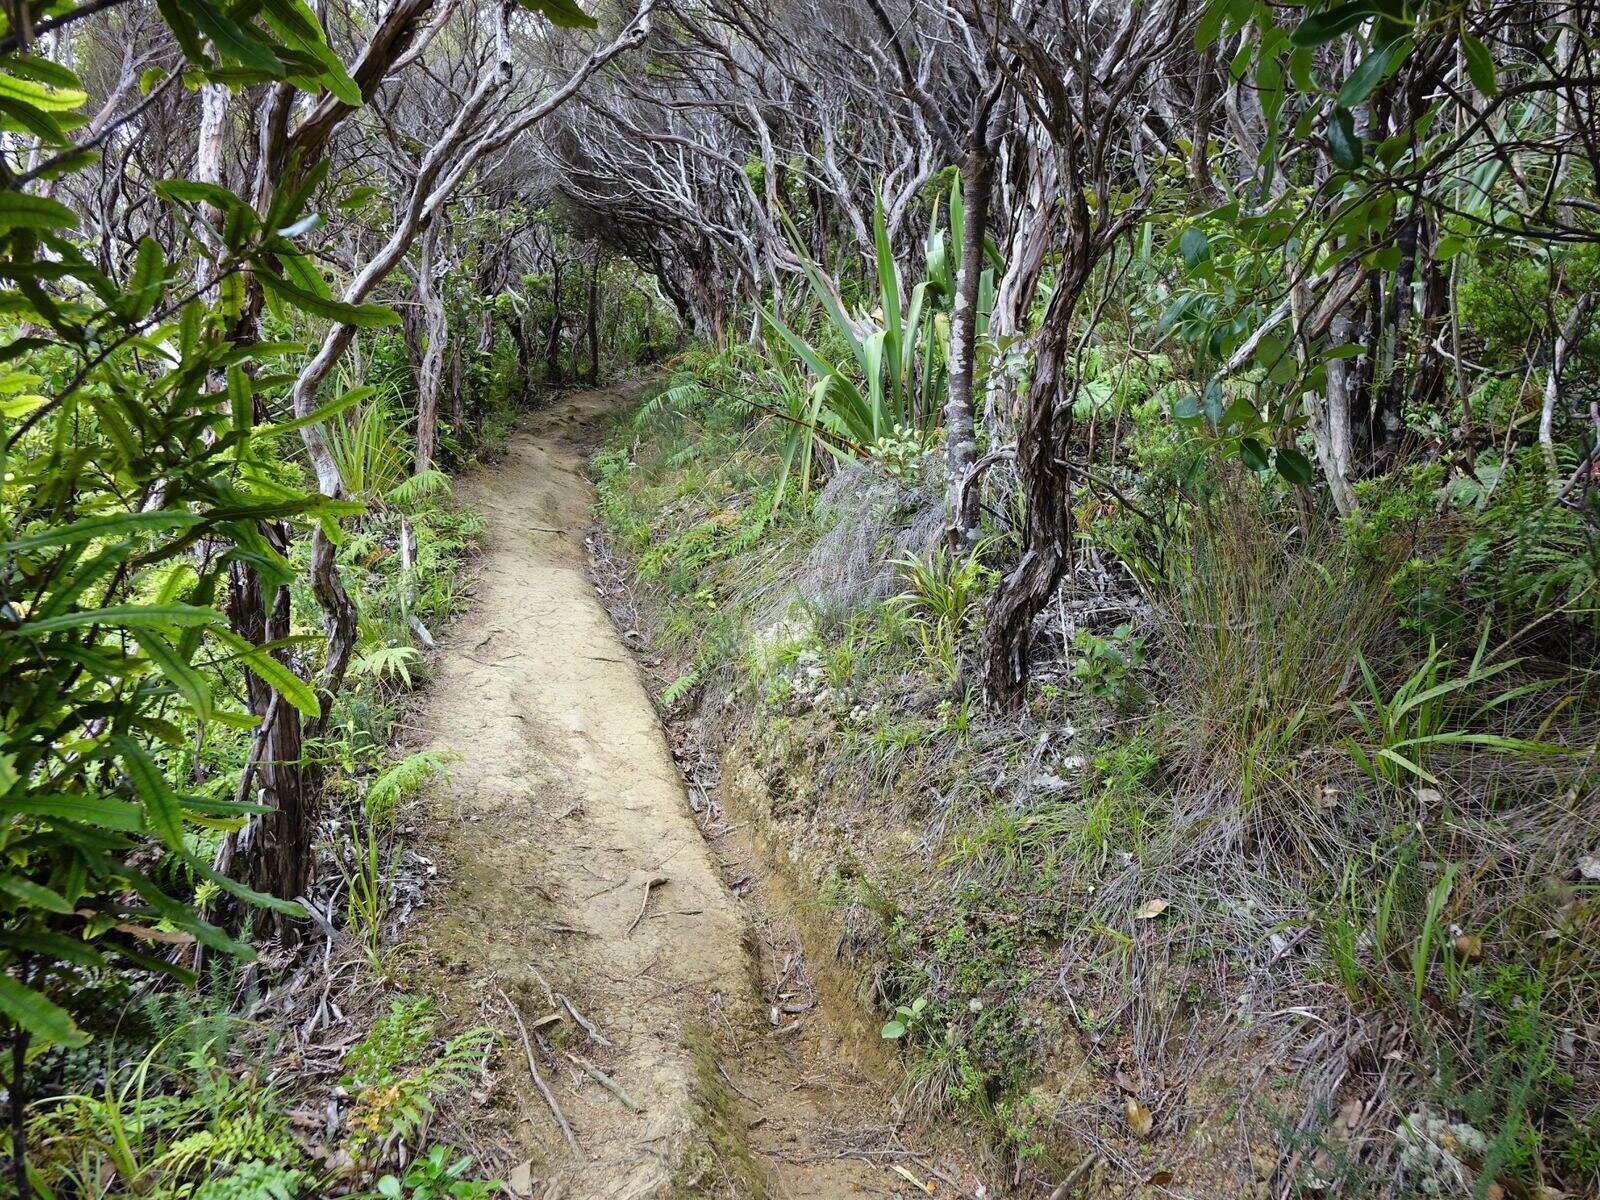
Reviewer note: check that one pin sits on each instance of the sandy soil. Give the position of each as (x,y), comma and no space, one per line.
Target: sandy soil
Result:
(571,866)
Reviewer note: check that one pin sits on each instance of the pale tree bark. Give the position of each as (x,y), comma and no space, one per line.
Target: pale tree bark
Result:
(435,333)
(1570,334)
(961,443)
(594,321)
(552,337)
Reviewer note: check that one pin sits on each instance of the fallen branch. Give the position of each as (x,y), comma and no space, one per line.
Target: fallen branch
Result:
(605,1081)
(645,903)
(538,1079)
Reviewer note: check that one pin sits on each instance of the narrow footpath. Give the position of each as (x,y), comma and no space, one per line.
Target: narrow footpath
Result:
(582,912)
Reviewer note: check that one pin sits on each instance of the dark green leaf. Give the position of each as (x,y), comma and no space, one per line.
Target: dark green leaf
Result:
(126,616)
(161,806)
(363,316)
(1294,467)
(1373,70)
(41,1017)
(34,895)
(1480,64)
(1343,144)
(281,679)
(189,682)
(1328,23)
(1194,246)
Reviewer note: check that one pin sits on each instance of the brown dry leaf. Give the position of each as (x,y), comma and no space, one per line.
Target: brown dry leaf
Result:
(1160,1179)
(1151,910)
(912,1179)
(1124,1083)
(1469,946)
(1140,1119)
(520,1180)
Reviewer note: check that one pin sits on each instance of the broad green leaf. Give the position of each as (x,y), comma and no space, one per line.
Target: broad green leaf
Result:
(1294,467)
(564,13)
(41,95)
(41,69)
(103,811)
(338,404)
(20,406)
(188,681)
(272,672)
(18,117)
(21,210)
(109,526)
(1373,70)
(363,316)
(1343,143)
(1480,64)
(1328,23)
(149,277)
(126,616)
(1194,246)
(161,807)
(40,1016)
(49,944)
(232,39)
(34,895)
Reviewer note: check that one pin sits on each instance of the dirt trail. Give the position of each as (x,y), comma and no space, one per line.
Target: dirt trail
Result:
(570,864)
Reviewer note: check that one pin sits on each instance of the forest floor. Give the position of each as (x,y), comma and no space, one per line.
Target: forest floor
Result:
(653,960)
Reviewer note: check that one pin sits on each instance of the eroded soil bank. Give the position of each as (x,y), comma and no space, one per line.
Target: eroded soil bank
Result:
(645,965)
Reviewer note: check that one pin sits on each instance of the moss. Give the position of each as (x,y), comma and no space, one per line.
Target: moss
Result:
(716,1161)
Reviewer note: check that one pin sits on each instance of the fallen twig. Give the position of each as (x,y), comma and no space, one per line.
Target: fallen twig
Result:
(653,881)
(1074,1177)
(605,1081)
(538,1079)
(584,1023)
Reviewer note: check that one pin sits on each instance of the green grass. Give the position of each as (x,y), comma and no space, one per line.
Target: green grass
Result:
(1334,816)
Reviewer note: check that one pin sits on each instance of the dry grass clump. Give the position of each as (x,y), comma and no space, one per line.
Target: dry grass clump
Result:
(1261,625)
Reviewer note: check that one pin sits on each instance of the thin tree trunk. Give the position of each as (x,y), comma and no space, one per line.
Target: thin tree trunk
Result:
(594,322)
(552,341)
(1205,102)
(519,338)
(435,323)
(277,845)
(1042,448)
(18,1087)
(961,445)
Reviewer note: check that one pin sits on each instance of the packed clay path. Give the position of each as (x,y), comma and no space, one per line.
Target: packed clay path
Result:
(572,872)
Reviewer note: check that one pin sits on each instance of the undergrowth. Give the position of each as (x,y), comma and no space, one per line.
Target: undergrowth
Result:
(1284,878)
(181,1098)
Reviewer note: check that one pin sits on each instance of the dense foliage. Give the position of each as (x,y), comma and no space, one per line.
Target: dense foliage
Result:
(1137,469)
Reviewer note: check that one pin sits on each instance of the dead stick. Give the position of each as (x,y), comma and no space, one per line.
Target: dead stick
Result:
(645,903)
(538,1079)
(588,1026)
(605,1081)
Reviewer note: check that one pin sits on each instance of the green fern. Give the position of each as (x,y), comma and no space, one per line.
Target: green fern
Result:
(388,663)
(680,396)
(400,781)
(680,687)
(423,485)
